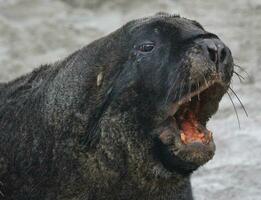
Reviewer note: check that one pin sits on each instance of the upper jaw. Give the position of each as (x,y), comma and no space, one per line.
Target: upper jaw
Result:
(216,80)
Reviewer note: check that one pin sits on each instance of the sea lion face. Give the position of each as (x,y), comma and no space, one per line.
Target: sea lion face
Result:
(168,88)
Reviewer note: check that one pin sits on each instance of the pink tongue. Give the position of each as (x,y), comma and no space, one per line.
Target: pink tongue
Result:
(191,132)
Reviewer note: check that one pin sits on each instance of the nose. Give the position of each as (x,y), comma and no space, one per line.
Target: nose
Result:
(217,52)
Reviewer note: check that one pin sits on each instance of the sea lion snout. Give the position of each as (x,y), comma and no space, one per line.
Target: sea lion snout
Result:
(219,54)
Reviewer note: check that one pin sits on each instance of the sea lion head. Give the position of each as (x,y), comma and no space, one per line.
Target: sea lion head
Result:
(164,80)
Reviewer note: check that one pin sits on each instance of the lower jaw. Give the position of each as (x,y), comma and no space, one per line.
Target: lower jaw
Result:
(187,158)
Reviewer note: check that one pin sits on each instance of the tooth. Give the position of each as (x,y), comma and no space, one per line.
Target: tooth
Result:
(183,137)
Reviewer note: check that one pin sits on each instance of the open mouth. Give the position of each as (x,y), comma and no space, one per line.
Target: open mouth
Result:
(185,142)
(193,111)
(192,129)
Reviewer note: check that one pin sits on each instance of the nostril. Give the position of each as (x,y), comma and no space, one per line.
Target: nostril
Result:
(223,55)
(213,55)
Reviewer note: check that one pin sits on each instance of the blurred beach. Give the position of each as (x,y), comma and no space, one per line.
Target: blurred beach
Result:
(35,32)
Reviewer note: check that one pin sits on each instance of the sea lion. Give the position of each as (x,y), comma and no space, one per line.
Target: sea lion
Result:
(123,118)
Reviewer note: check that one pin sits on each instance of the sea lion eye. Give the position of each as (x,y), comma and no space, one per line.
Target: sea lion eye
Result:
(146,47)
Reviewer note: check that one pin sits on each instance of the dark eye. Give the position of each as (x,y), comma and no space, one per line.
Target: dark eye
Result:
(146,47)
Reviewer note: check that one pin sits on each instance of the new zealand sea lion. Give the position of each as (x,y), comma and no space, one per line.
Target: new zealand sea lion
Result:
(123,118)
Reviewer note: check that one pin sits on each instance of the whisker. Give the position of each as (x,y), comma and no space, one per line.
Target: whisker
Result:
(240,77)
(182,84)
(241,68)
(204,77)
(181,89)
(242,105)
(238,66)
(198,89)
(189,91)
(172,86)
(238,121)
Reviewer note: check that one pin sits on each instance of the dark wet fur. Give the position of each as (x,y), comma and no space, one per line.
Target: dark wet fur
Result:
(64,137)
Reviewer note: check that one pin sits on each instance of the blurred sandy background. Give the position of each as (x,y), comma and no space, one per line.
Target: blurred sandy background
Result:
(34,32)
